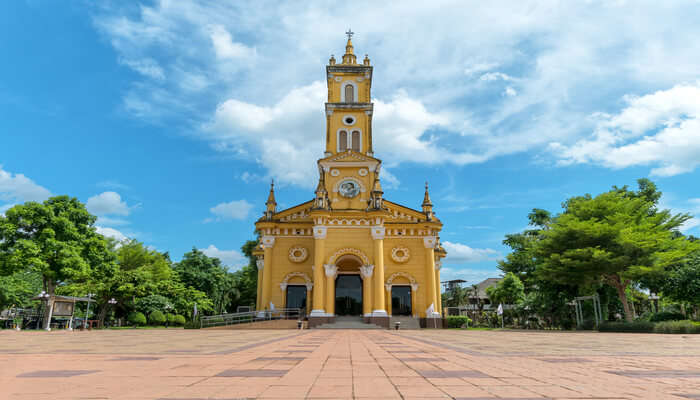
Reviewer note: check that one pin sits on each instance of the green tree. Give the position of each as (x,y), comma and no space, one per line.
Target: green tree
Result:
(246,278)
(510,290)
(56,238)
(17,289)
(206,274)
(616,237)
(683,282)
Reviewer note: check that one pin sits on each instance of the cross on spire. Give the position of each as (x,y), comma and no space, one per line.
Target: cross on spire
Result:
(349,33)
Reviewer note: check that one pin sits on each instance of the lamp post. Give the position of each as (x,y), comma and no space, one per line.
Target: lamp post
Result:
(168,308)
(654,301)
(112,302)
(87,312)
(46,297)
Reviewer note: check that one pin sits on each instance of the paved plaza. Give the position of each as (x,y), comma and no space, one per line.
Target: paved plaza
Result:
(343,364)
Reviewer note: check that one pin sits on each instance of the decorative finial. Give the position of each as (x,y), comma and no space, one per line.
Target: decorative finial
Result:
(349,33)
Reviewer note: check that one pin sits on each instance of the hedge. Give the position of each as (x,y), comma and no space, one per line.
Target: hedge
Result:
(458,321)
(137,318)
(170,318)
(637,326)
(677,327)
(156,318)
(179,320)
(667,316)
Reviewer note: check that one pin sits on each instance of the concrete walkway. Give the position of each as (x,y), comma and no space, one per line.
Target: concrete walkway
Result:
(336,364)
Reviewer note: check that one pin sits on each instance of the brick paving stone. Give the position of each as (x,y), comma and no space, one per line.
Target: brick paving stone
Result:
(220,364)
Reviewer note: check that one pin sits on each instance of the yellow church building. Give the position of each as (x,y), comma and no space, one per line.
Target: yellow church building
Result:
(350,251)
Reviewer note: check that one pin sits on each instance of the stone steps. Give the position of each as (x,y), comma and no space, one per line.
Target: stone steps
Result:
(349,323)
(406,322)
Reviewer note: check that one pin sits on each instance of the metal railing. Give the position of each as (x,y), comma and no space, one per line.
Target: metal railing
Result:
(250,316)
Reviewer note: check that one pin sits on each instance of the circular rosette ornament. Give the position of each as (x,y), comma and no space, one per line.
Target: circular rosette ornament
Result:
(298,254)
(400,254)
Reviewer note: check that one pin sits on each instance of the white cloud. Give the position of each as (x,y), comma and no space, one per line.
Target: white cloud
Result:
(461,253)
(107,203)
(111,232)
(661,130)
(147,66)
(18,188)
(225,47)
(570,61)
(237,209)
(495,76)
(230,258)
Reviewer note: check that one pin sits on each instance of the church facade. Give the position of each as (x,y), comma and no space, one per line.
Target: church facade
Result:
(350,251)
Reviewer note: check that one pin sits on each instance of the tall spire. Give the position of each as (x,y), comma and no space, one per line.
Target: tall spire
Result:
(349,56)
(427,204)
(271,203)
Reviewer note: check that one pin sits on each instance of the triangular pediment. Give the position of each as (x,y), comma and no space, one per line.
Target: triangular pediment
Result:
(298,213)
(399,213)
(349,156)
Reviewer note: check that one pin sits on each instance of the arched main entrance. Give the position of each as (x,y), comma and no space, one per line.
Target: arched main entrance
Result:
(348,286)
(348,294)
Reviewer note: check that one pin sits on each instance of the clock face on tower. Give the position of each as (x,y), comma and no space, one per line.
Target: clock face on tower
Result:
(349,189)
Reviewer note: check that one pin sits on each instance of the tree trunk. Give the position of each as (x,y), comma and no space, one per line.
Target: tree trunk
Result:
(50,288)
(102,314)
(618,284)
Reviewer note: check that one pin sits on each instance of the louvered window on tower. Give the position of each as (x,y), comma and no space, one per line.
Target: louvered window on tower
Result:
(356,141)
(343,141)
(349,94)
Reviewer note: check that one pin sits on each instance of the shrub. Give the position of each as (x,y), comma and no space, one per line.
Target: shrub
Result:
(638,327)
(156,318)
(179,320)
(170,319)
(677,327)
(193,324)
(458,321)
(586,325)
(667,316)
(136,318)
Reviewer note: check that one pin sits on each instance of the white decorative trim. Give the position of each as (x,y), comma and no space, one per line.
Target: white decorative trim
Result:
(366,271)
(349,250)
(362,172)
(387,287)
(301,257)
(268,241)
(331,270)
(400,258)
(429,242)
(309,285)
(335,172)
(285,281)
(379,313)
(320,232)
(406,275)
(354,91)
(338,78)
(438,265)
(378,232)
(351,123)
(414,287)
(329,113)
(260,263)
(318,313)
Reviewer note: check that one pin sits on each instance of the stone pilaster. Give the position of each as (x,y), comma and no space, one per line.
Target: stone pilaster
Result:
(378,233)
(268,242)
(429,242)
(366,272)
(318,308)
(331,273)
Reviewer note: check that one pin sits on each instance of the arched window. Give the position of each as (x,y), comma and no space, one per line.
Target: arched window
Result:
(343,141)
(355,141)
(349,94)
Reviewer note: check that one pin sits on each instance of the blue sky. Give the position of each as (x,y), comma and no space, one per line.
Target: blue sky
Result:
(169,118)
